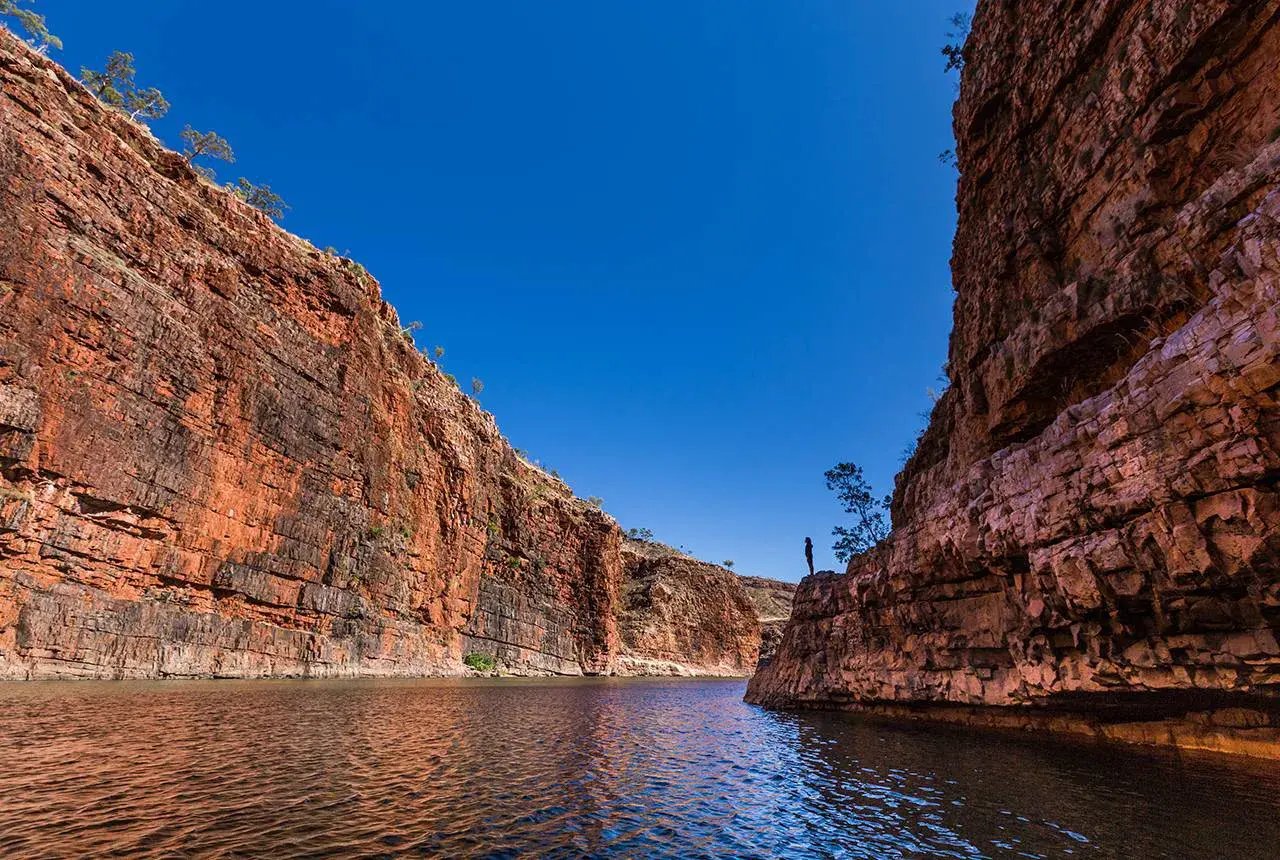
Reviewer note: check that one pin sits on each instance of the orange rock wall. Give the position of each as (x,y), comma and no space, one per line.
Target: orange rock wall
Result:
(681,616)
(1091,523)
(219,455)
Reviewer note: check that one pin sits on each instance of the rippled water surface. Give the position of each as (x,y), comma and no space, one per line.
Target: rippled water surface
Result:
(569,768)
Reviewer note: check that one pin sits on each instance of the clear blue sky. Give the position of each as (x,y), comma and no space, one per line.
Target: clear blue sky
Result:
(697,251)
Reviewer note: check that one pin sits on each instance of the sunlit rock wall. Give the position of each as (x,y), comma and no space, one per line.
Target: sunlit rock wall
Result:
(1090,528)
(219,455)
(681,616)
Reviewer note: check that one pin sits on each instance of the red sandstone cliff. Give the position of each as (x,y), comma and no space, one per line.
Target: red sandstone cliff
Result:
(219,455)
(681,616)
(772,601)
(1089,533)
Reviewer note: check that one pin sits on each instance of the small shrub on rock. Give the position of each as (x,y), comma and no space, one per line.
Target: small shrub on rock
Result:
(260,197)
(870,526)
(480,662)
(958,34)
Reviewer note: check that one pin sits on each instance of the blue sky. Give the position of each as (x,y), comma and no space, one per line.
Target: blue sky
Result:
(697,251)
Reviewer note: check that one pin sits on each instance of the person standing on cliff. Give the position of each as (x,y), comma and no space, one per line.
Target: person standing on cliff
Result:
(808,553)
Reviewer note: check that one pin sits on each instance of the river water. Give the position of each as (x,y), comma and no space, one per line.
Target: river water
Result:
(598,767)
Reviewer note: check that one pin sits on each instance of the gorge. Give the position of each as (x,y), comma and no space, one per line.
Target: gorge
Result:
(272,584)
(221,454)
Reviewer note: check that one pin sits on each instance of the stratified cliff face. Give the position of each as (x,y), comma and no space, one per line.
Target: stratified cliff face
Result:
(681,616)
(219,455)
(1090,528)
(772,600)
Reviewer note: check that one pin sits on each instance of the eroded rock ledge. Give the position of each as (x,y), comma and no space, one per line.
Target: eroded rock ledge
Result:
(1088,538)
(221,456)
(681,616)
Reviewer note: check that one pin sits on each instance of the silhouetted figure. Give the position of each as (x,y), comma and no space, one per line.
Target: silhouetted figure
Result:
(808,554)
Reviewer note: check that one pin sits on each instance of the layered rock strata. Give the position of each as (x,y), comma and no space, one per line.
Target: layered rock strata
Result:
(681,616)
(772,600)
(220,454)
(1088,537)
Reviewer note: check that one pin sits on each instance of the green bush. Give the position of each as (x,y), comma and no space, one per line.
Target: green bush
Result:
(260,197)
(870,526)
(480,662)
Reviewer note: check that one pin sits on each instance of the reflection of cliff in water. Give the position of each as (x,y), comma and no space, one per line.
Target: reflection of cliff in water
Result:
(601,767)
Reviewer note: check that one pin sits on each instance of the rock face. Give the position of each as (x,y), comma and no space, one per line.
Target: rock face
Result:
(1088,536)
(219,455)
(681,616)
(772,600)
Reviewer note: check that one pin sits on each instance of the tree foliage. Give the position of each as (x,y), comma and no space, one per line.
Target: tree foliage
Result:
(870,525)
(205,143)
(645,535)
(958,34)
(115,86)
(728,562)
(32,22)
(260,197)
(477,385)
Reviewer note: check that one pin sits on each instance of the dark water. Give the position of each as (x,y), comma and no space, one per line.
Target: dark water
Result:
(570,768)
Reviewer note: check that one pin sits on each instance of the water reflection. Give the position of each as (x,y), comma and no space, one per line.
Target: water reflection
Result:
(570,768)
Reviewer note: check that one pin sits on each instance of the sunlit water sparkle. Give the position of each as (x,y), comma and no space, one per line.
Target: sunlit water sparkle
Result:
(563,768)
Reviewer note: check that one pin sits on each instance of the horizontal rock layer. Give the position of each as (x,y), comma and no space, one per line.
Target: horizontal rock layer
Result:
(772,601)
(1088,536)
(681,616)
(221,455)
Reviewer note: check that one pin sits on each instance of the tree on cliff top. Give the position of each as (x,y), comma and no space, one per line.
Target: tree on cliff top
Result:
(115,86)
(31,22)
(870,526)
(262,198)
(205,143)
